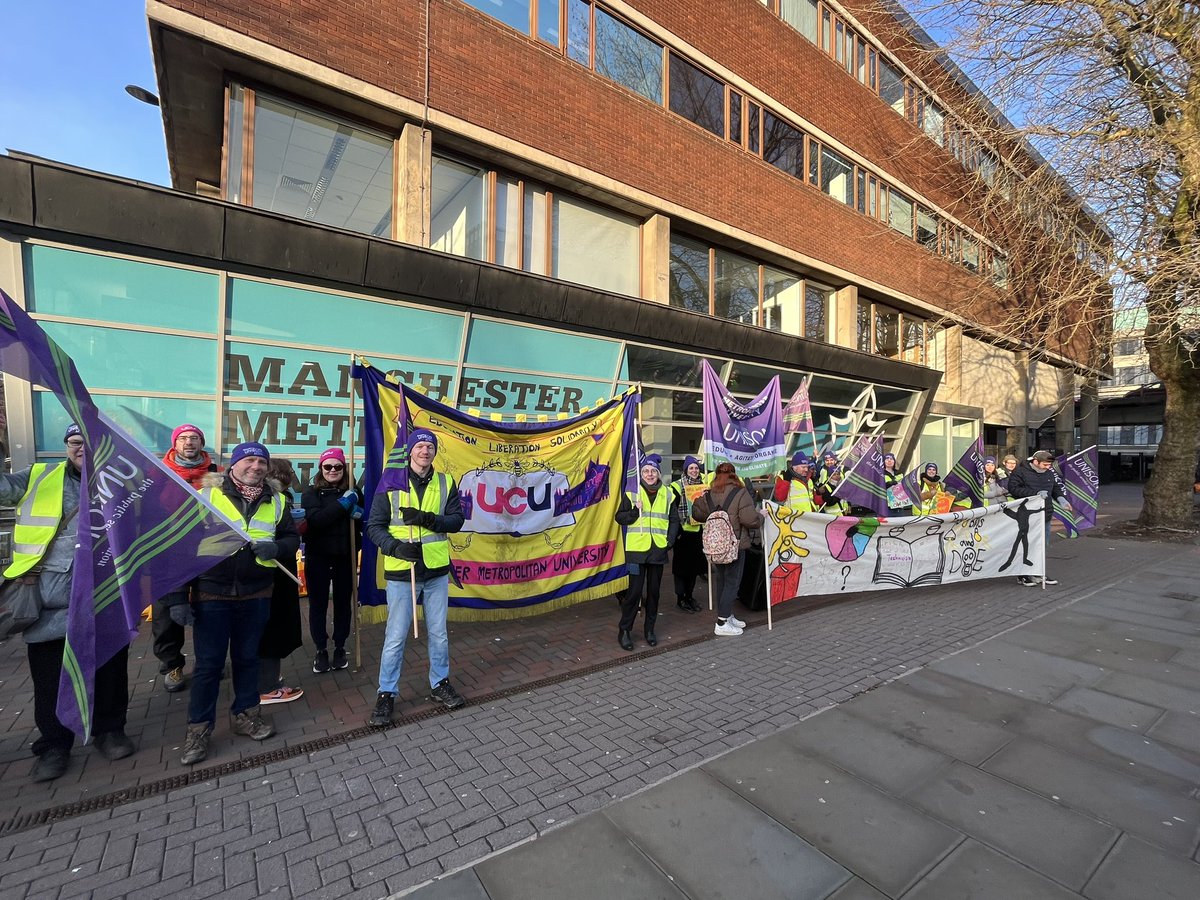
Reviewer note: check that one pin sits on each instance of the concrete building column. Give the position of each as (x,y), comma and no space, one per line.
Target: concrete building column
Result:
(656,259)
(1064,419)
(845,316)
(951,388)
(1021,435)
(1089,412)
(414,171)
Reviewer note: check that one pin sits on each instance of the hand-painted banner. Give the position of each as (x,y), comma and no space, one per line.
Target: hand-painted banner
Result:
(540,500)
(812,553)
(146,531)
(966,478)
(748,435)
(1081,482)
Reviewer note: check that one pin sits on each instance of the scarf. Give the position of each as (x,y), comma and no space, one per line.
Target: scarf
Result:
(249,493)
(192,472)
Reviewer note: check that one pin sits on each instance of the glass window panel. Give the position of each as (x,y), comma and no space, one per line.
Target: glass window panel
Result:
(900,213)
(735,117)
(887,332)
(547,21)
(747,379)
(837,177)
(689,275)
(783,145)
(666,405)
(816,303)
(861,60)
(458,209)
(258,309)
(753,136)
(914,340)
(595,246)
(935,443)
(508,222)
(122,360)
(872,77)
(579,31)
(872,198)
(233,164)
(90,286)
(781,301)
(628,57)
(801,15)
(838,42)
(891,86)
(322,169)
(864,326)
(497,344)
(536,230)
(513,13)
(697,96)
(935,120)
(654,366)
(825,30)
(814,162)
(970,253)
(735,288)
(861,193)
(150,420)
(927,229)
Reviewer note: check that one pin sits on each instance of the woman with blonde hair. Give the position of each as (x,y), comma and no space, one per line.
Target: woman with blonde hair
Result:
(728,493)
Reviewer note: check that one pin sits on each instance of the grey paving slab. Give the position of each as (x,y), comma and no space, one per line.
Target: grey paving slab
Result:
(1102,707)
(880,839)
(1168,818)
(1136,869)
(590,859)
(980,873)
(1098,647)
(464,885)
(1141,614)
(1180,729)
(1057,842)
(857,889)
(1189,658)
(1110,746)
(927,722)
(686,827)
(1019,670)
(1120,600)
(875,754)
(1151,691)
(969,698)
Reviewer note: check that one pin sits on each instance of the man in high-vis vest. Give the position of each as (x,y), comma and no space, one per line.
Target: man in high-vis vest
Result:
(648,516)
(47,500)
(409,528)
(794,487)
(231,602)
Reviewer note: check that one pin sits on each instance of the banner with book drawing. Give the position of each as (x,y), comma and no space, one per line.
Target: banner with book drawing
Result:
(812,553)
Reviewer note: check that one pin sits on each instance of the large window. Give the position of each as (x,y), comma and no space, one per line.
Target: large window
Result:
(689,275)
(628,57)
(458,210)
(891,86)
(816,312)
(783,145)
(934,124)
(801,15)
(782,306)
(735,289)
(900,213)
(927,230)
(697,96)
(316,167)
(837,177)
(595,246)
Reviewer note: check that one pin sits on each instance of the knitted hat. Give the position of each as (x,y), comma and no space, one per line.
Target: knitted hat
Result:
(422,435)
(333,453)
(989,459)
(249,448)
(652,459)
(186,429)
(800,458)
(928,466)
(891,456)
(690,461)
(72,431)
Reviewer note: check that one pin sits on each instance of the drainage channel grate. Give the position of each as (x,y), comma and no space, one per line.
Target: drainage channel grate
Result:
(129,795)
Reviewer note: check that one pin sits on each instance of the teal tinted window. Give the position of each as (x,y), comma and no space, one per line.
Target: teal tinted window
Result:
(113,359)
(533,395)
(150,420)
(281,313)
(322,377)
(87,286)
(288,430)
(532,349)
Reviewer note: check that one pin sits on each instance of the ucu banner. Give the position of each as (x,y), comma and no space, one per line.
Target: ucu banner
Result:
(517,503)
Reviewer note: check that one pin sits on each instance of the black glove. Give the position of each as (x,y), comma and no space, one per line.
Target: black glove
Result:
(427,520)
(407,550)
(265,550)
(411,515)
(181,614)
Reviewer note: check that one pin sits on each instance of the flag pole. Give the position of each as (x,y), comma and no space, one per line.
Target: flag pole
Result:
(767,568)
(353,550)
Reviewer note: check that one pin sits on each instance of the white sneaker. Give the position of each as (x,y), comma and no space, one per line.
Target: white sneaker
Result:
(1051,581)
(728,629)
(736,622)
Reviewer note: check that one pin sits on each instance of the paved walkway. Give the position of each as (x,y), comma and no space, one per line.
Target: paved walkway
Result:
(390,811)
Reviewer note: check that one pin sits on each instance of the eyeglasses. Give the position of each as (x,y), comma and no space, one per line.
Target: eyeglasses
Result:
(75,443)
(333,468)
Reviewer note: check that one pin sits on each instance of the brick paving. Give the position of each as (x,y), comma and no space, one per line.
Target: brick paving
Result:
(396,808)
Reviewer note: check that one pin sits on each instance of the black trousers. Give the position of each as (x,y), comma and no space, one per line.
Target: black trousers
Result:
(108,710)
(649,577)
(168,635)
(321,572)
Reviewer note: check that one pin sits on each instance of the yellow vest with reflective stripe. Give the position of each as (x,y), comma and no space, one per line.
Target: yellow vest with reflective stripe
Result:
(38,516)
(260,526)
(651,525)
(800,496)
(685,513)
(435,547)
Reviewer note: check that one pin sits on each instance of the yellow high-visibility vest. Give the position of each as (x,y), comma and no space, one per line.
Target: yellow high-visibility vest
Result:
(38,516)
(651,525)
(260,526)
(435,547)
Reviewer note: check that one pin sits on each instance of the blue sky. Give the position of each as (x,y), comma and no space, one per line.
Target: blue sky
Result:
(62,86)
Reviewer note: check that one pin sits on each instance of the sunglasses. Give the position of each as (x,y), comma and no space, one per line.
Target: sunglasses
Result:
(334,468)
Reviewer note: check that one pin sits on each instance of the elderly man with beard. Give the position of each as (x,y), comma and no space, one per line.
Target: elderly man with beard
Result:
(187,459)
(231,602)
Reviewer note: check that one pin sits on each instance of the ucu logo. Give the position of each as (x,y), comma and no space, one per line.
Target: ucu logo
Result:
(500,502)
(513,500)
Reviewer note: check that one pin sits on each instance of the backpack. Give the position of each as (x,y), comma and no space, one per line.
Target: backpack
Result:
(719,540)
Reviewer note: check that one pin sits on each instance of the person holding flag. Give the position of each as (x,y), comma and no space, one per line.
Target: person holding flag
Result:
(828,479)
(893,482)
(794,486)
(687,557)
(1037,479)
(47,500)
(409,520)
(647,540)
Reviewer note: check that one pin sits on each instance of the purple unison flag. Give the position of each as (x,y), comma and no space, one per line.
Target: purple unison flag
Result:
(144,532)
(797,415)
(748,435)
(1081,482)
(966,478)
(864,483)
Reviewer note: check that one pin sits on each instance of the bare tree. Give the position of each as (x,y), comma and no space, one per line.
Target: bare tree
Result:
(1091,185)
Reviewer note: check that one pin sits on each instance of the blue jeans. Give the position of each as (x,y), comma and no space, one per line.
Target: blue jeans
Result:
(232,627)
(434,596)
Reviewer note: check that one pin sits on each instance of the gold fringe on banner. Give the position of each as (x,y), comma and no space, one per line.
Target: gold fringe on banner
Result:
(377,615)
(372,615)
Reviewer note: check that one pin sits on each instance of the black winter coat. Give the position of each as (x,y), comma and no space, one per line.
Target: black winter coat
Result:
(240,575)
(328,530)
(1026,481)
